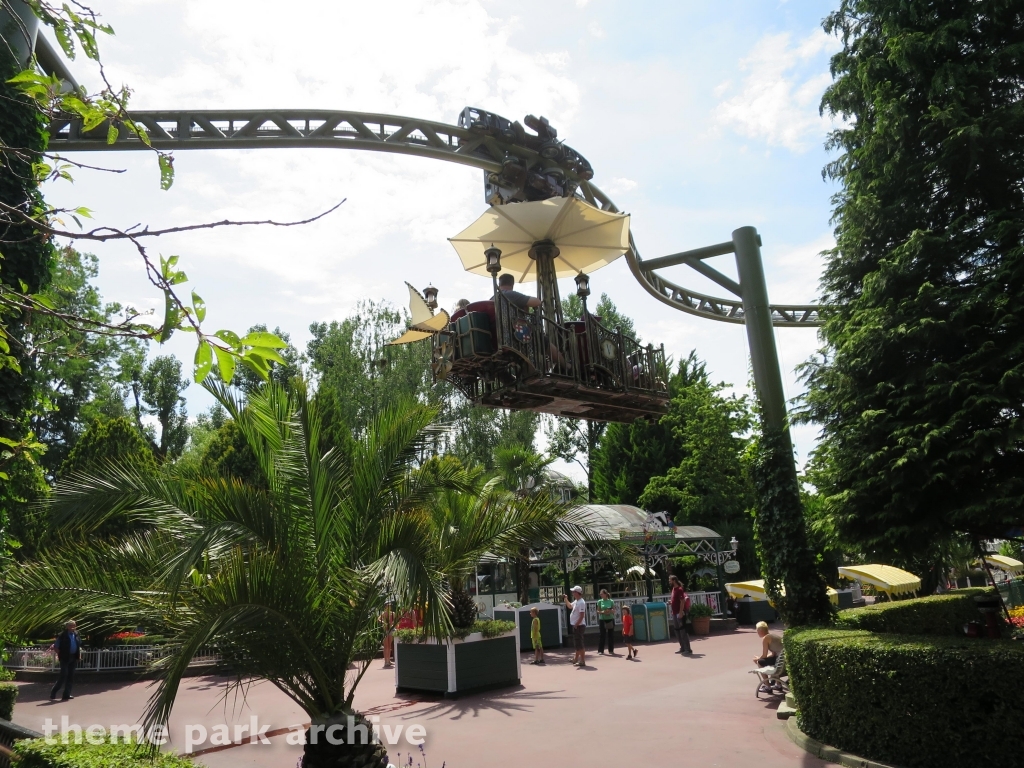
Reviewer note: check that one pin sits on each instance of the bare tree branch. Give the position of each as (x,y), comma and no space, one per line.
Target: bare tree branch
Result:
(104,234)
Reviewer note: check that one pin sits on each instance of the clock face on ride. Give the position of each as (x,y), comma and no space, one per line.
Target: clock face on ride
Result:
(608,349)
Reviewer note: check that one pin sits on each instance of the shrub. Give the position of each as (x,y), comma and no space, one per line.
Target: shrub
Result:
(935,615)
(37,753)
(8,693)
(487,628)
(699,609)
(914,701)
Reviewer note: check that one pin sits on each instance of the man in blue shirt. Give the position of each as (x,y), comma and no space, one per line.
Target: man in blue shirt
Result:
(69,653)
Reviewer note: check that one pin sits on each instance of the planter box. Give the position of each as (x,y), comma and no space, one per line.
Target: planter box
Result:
(454,667)
(550,626)
(701,625)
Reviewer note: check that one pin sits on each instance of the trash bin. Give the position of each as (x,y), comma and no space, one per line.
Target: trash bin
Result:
(749,612)
(550,630)
(657,621)
(639,611)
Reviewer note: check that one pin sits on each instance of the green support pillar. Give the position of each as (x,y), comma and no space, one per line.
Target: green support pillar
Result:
(757,319)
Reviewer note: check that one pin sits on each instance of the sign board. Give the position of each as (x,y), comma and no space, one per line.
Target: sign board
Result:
(731,566)
(650,538)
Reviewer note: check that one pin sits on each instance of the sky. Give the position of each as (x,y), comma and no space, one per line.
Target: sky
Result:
(697,117)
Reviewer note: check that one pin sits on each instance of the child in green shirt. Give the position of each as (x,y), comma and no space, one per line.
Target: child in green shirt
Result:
(538,647)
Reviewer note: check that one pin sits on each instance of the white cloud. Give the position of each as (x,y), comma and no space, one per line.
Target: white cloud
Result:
(619,185)
(596,30)
(778,99)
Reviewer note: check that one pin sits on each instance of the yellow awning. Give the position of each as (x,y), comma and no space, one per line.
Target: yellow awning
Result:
(891,580)
(1007,564)
(755,589)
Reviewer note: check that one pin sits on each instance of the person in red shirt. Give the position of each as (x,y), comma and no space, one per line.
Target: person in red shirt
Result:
(680,604)
(627,631)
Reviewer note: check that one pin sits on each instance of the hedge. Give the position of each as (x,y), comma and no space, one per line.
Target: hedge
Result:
(8,693)
(37,753)
(913,701)
(936,615)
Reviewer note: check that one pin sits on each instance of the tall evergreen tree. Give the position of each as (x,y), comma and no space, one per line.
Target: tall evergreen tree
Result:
(920,389)
(629,455)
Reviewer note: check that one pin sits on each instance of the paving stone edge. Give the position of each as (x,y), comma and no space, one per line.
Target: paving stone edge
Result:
(825,752)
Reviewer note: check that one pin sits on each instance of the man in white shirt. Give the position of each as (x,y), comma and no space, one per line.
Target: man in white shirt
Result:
(577,623)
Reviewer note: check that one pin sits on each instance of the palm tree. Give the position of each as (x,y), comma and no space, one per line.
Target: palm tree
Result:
(486,518)
(285,578)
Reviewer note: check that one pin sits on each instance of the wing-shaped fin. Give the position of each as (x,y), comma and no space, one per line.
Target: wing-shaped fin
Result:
(434,324)
(418,307)
(411,336)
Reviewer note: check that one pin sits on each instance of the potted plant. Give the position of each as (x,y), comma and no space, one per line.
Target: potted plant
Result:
(700,616)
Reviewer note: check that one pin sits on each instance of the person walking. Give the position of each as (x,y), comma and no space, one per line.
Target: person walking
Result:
(578,623)
(680,604)
(69,653)
(627,631)
(538,645)
(606,623)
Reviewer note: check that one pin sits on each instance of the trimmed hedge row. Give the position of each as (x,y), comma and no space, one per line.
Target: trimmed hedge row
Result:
(37,753)
(935,615)
(914,701)
(8,693)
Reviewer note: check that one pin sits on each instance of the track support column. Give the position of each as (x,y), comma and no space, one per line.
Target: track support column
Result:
(757,317)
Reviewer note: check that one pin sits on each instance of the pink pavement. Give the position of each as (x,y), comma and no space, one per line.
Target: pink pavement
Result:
(663,709)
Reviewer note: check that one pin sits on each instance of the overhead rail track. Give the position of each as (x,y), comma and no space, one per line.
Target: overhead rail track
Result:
(252,129)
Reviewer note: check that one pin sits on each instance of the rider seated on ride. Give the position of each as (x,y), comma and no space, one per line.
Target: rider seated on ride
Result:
(506,285)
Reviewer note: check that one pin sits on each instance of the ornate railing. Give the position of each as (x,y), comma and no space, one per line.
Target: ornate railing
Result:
(583,351)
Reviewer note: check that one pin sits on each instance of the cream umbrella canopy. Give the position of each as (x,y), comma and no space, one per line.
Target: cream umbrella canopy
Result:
(544,240)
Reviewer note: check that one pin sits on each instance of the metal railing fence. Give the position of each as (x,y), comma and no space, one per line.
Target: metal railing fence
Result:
(118,658)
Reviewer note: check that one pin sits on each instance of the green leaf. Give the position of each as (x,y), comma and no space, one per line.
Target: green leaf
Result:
(200,306)
(170,318)
(166,171)
(229,337)
(203,361)
(4,476)
(111,133)
(44,301)
(267,354)
(263,339)
(226,364)
(257,365)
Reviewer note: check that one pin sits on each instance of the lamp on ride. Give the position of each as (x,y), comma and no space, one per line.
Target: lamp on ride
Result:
(493,256)
(430,296)
(583,288)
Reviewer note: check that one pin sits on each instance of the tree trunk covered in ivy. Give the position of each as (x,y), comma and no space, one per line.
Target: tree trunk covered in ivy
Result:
(780,533)
(920,389)
(25,258)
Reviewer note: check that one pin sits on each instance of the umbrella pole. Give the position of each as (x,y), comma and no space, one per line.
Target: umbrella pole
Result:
(544,253)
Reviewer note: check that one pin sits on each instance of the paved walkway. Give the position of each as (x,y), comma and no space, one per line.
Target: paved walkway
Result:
(661,710)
